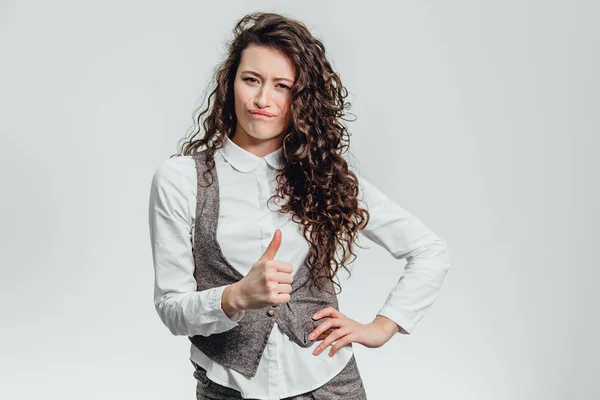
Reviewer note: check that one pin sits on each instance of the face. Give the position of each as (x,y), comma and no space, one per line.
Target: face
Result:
(262,86)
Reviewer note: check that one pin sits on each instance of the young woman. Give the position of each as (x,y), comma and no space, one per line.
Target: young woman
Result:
(251,283)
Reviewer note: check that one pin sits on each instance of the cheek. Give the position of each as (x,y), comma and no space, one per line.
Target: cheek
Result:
(287,113)
(284,105)
(239,102)
(240,92)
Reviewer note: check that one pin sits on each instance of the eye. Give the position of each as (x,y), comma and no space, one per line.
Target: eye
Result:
(254,79)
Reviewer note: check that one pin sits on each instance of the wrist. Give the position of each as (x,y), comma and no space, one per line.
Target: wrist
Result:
(389,326)
(230,300)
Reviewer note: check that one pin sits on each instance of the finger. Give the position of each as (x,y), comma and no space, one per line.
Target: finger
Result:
(319,330)
(344,341)
(320,336)
(330,339)
(284,288)
(327,311)
(271,250)
(284,277)
(284,267)
(281,298)
(324,335)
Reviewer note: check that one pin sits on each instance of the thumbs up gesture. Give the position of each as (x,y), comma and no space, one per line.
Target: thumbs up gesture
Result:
(269,282)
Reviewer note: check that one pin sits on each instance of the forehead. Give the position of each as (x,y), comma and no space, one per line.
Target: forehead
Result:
(266,61)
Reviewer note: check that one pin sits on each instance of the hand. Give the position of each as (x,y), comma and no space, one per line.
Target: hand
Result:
(268,282)
(347,330)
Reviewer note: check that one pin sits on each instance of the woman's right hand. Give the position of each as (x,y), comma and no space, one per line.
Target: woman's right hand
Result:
(269,282)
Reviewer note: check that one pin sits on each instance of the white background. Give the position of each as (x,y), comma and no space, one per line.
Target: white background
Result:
(481,118)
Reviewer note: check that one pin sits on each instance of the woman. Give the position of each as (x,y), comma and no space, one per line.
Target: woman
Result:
(251,284)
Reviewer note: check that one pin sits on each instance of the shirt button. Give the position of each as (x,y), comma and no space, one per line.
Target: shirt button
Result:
(270,313)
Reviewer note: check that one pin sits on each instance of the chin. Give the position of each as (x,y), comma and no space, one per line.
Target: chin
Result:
(263,134)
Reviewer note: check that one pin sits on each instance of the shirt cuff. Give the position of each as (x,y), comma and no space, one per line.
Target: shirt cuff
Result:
(399,318)
(216,306)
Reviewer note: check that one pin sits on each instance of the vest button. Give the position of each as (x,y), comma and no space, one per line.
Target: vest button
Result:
(270,313)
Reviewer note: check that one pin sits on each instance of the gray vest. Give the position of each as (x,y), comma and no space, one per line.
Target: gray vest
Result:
(240,348)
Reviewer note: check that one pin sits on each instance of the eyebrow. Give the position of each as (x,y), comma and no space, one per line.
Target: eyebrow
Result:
(260,76)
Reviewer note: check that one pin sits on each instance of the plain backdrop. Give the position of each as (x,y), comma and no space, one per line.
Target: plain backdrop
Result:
(481,118)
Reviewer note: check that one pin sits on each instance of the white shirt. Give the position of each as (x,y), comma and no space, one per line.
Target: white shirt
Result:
(245,229)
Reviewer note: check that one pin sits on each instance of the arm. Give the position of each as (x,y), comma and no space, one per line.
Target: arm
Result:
(404,236)
(183,309)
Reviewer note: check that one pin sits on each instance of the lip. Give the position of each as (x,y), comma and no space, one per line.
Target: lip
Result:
(263,114)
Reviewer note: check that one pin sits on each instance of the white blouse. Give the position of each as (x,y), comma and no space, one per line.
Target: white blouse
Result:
(245,228)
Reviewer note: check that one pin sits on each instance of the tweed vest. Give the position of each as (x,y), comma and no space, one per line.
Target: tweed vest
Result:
(241,347)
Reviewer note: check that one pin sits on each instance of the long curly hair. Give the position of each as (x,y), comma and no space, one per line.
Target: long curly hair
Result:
(322,190)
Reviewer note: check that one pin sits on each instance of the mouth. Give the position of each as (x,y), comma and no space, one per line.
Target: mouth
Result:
(260,115)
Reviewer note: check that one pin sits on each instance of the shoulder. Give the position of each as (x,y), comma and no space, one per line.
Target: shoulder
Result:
(175,172)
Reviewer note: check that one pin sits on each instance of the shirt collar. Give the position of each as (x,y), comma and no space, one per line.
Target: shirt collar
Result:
(245,161)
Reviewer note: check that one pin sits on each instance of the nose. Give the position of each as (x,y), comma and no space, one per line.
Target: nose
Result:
(262,97)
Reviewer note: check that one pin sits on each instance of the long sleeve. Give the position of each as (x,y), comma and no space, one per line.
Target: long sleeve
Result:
(183,309)
(404,236)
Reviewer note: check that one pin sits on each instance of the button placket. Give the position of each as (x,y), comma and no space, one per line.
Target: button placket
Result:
(267,223)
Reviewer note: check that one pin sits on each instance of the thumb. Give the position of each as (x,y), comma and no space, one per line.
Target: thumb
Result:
(271,250)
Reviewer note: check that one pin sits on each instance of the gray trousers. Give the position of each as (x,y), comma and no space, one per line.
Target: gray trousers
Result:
(346,385)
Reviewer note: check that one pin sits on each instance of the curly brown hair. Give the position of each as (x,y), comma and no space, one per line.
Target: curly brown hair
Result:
(322,190)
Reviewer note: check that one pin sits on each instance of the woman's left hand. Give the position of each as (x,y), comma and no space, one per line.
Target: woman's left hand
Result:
(347,330)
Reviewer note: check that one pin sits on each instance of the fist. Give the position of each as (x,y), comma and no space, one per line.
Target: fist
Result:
(269,282)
